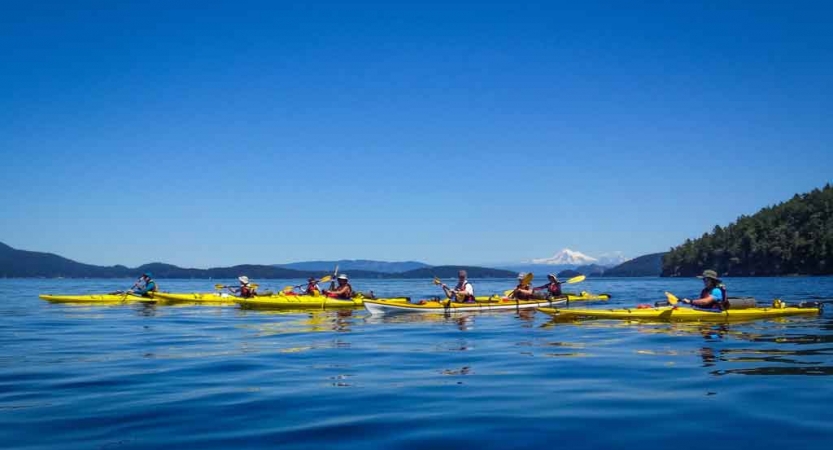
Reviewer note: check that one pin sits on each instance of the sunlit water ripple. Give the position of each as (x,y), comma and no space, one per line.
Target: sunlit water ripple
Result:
(206,377)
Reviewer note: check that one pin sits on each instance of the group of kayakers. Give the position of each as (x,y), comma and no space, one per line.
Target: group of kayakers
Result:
(713,295)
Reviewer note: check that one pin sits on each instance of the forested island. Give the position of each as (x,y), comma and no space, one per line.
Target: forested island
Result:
(791,238)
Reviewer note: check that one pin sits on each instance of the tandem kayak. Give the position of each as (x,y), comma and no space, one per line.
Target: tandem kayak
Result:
(281,301)
(681,314)
(102,299)
(381,306)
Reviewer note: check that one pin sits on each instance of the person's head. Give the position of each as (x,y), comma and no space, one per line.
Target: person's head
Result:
(552,278)
(521,279)
(244,280)
(311,280)
(462,275)
(342,279)
(710,278)
(147,275)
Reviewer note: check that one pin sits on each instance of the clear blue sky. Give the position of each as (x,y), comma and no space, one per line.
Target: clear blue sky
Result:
(219,133)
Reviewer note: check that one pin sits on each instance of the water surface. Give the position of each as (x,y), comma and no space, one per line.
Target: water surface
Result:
(137,376)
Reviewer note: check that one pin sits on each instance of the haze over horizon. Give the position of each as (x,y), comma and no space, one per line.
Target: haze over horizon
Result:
(269,132)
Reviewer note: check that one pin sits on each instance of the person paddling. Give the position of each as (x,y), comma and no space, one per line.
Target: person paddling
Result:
(523,291)
(713,295)
(145,285)
(463,291)
(553,288)
(312,287)
(343,291)
(246,290)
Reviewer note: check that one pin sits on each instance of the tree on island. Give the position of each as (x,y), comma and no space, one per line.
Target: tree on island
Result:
(793,237)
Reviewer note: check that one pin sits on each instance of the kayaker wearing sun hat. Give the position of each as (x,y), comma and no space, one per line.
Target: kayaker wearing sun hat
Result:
(713,295)
(553,288)
(145,285)
(344,291)
(245,290)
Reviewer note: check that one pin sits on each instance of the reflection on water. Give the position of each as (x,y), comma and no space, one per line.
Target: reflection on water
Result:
(303,379)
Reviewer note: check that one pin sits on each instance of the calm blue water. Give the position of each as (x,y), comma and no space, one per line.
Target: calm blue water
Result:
(122,377)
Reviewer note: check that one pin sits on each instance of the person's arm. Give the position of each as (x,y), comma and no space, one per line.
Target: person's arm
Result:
(543,286)
(705,301)
(448,291)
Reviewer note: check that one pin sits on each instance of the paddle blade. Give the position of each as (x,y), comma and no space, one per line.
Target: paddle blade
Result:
(575,280)
(508,293)
(672,299)
(437,281)
(528,278)
(218,286)
(325,279)
(287,289)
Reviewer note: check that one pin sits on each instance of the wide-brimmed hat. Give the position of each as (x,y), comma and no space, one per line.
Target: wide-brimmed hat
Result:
(521,276)
(709,274)
(342,277)
(243,279)
(147,275)
(553,276)
(311,279)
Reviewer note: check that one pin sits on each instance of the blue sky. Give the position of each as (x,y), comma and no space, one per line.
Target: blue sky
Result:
(219,133)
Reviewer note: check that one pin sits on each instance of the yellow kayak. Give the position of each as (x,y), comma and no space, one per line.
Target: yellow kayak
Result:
(680,314)
(382,306)
(213,298)
(101,299)
(281,301)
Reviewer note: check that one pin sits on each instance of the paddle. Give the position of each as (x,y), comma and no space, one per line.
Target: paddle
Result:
(672,299)
(223,286)
(525,280)
(574,280)
(129,291)
(291,288)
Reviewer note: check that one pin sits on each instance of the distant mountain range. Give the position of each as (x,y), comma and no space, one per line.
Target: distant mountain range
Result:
(27,264)
(355,264)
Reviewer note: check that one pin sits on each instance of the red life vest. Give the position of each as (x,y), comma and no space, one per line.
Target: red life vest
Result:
(246,291)
(346,296)
(554,288)
(312,287)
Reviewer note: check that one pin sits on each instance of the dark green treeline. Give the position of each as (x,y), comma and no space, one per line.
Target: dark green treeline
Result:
(794,237)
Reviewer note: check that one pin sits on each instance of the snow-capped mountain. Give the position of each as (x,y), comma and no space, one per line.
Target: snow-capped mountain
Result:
(566,257)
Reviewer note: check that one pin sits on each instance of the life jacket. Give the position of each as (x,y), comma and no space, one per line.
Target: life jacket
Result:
(462,295)
(246,291)
(520,296)
(312,287)
(722,305)
(346,296)
(554,288)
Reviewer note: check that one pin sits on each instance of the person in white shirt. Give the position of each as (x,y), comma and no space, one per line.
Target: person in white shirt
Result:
(463,291)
